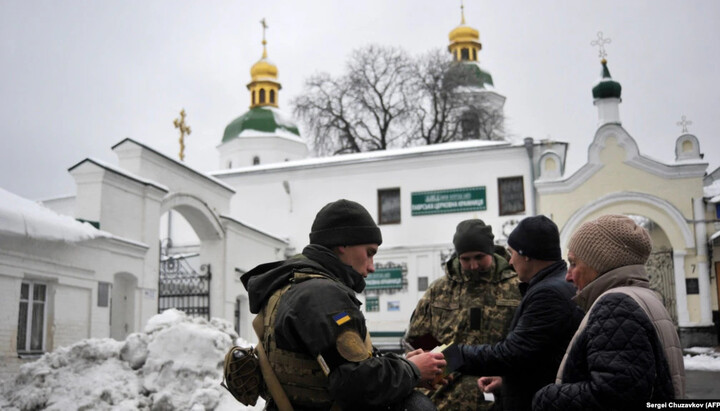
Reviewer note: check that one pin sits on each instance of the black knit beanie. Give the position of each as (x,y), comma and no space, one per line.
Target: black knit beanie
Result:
(474,235)
(344,222)
(536,237)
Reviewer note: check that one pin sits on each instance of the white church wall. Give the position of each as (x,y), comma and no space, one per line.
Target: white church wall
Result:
(284,199)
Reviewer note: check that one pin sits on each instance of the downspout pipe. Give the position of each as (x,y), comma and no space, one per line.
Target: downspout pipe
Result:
(528,141)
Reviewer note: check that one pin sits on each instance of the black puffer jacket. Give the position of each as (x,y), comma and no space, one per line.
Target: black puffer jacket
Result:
(529,356)
(615,363)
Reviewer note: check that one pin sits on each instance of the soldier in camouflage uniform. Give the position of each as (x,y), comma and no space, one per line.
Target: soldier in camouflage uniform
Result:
(473,303)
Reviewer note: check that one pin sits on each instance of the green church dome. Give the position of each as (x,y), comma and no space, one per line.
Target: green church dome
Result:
(261,119)
(606,87)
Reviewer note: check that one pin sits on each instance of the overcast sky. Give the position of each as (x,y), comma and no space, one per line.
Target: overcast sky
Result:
(77,77)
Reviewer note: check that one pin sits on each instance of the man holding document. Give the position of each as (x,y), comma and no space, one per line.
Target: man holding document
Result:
(528,358)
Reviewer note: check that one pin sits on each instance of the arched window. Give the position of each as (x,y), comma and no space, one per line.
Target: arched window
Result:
(262,95)
(272,96)
(465,53)
(253,97)
(229,164)
(474,55)
(256,160)
(455,55)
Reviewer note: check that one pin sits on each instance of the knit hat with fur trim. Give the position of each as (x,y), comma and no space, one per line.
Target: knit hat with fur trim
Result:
(474,235)
(344,222)
(536,237)
(609,242)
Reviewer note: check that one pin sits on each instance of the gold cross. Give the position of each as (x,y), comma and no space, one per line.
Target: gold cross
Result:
(184,129)
(265,26)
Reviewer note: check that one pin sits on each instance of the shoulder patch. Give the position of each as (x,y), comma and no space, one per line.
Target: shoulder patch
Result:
(351,346)
(341,318)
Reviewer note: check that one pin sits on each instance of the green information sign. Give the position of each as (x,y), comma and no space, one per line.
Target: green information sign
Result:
(384,278)
(456,200)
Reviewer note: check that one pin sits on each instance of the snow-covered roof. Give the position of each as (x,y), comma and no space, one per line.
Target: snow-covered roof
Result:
(712,190)
(379,155)
(27,218)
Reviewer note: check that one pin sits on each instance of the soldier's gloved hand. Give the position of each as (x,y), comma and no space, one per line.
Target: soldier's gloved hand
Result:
(430,364)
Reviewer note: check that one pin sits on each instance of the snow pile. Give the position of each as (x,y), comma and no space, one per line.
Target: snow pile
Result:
(175,364)
(27,218)
(712,191)
(702,359)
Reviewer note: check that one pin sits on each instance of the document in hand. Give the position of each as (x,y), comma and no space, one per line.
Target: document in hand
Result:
(453,357)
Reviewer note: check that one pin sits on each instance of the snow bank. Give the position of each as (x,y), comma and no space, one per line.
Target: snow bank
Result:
(702,359)
(175,364)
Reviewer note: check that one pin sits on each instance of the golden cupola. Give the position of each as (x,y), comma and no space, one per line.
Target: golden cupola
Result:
(264,86)
(464,41)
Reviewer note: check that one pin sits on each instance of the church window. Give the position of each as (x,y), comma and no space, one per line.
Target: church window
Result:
(272,96)
(511,195)
(687,146)
(470,125)
(229,164)
(31,318)
(465,53)
(103,294)
(455,55)
(389,206)
(262,95)
(474,54)
(422,283)
(253,97)
(256,160)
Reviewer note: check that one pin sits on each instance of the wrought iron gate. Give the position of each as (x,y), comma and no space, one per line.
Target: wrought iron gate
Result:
(662,279)
(184,288)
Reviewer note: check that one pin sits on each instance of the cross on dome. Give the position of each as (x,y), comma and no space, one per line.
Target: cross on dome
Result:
(600,43)
(684,123)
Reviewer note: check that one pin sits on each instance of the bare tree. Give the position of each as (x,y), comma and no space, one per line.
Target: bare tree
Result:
(363,110)
(449,105)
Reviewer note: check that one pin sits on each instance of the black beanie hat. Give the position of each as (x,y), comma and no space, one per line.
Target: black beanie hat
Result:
(344,222)
(474,235)
(536,237)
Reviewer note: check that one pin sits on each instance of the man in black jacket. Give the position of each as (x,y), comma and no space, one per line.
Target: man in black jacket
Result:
(529,356)
(315,334)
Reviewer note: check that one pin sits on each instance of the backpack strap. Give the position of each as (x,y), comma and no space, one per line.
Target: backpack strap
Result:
(276,390)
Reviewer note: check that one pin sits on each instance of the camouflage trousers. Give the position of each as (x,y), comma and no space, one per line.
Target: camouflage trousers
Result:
(462,394)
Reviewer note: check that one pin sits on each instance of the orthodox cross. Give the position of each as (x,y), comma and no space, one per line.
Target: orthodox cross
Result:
(265,26)
(684,122)
(600,42)
(184,130)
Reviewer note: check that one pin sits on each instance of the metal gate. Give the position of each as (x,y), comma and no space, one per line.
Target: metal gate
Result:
(184,288)
(662,279)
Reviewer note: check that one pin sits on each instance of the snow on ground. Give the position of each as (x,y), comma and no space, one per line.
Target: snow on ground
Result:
(702,359)
(175,364)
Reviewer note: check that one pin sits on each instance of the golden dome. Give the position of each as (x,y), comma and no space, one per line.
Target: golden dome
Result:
(263,69)
(463,34)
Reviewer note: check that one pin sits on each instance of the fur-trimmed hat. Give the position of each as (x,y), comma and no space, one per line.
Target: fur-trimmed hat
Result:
(344,222)
(536,237)
(609,242)
(474,235)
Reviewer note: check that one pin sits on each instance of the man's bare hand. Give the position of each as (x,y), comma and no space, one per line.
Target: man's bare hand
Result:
(430,364)
(489,384)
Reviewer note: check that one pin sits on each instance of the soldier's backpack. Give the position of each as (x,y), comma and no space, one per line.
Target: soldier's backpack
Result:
(242,375)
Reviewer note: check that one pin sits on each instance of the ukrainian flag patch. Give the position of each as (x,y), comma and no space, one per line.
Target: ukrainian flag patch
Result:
(341,318)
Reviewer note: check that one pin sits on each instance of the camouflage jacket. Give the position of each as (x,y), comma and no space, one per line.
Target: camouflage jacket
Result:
(456,308)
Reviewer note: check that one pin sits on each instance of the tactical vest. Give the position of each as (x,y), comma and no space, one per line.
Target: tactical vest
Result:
(300,375)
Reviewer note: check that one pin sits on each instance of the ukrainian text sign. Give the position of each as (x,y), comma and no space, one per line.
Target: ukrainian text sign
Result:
(448,201)
(384,278)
